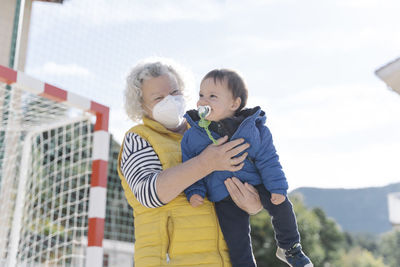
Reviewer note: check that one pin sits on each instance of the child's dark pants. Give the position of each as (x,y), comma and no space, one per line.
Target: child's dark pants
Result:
(235,226)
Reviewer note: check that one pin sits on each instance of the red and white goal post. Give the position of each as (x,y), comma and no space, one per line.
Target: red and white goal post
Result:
(53,174)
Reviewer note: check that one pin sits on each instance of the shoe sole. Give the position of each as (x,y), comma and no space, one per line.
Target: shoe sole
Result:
(282,257)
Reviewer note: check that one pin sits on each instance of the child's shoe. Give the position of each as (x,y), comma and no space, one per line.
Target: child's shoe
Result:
(294,256)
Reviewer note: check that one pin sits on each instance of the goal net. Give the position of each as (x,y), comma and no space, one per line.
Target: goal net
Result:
(53,170)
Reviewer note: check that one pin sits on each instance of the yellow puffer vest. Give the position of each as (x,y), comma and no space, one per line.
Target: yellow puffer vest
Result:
(189,236)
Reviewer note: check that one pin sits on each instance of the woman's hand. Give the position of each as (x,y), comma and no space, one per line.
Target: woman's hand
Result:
(221,157)
(172,181)
(244,195)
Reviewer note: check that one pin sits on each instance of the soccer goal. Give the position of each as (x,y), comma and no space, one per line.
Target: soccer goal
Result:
(54,148)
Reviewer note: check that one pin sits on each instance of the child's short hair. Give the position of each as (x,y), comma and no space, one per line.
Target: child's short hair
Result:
(235,83)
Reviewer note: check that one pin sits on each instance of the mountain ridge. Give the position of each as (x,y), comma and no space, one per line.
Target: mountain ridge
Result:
(356,210)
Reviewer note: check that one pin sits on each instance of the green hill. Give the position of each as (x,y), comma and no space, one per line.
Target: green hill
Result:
(363,210)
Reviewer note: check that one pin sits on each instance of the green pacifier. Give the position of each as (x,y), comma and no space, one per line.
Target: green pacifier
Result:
(203,112)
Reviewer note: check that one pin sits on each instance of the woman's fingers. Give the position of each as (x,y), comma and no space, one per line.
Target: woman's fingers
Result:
(222,157)
(231,144)
(233,189)
(236,150)
(221,140)
(238,183)
(244,187)
(235,194)
(250,187)
(235,168)
(245,196)
(237,160)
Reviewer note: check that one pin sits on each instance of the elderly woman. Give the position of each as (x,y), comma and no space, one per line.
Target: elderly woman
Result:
(168,230)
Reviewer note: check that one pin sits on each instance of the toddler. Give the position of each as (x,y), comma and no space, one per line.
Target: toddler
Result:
(223,94)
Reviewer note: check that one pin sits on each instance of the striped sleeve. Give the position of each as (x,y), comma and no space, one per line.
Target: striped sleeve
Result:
(140,166)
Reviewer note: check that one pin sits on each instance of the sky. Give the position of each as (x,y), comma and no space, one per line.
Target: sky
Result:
(309,64)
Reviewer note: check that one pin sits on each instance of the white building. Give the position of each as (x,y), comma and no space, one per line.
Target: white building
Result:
(390,74)
(394,209)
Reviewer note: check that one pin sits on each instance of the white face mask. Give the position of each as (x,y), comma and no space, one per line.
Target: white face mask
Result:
(169,111)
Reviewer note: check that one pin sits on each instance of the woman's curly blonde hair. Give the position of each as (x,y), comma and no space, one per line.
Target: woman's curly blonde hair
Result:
(145,70)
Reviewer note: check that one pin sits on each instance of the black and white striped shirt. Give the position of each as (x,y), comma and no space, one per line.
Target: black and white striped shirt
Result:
(140,166)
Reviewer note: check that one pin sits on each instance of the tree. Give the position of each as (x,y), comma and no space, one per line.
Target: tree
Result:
(358,257)
(363,240)
(388,247)
(331,238)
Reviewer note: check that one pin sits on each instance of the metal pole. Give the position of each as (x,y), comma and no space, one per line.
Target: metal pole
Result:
(19,35)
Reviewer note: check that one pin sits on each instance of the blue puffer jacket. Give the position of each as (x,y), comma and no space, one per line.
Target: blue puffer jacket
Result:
(261,166)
